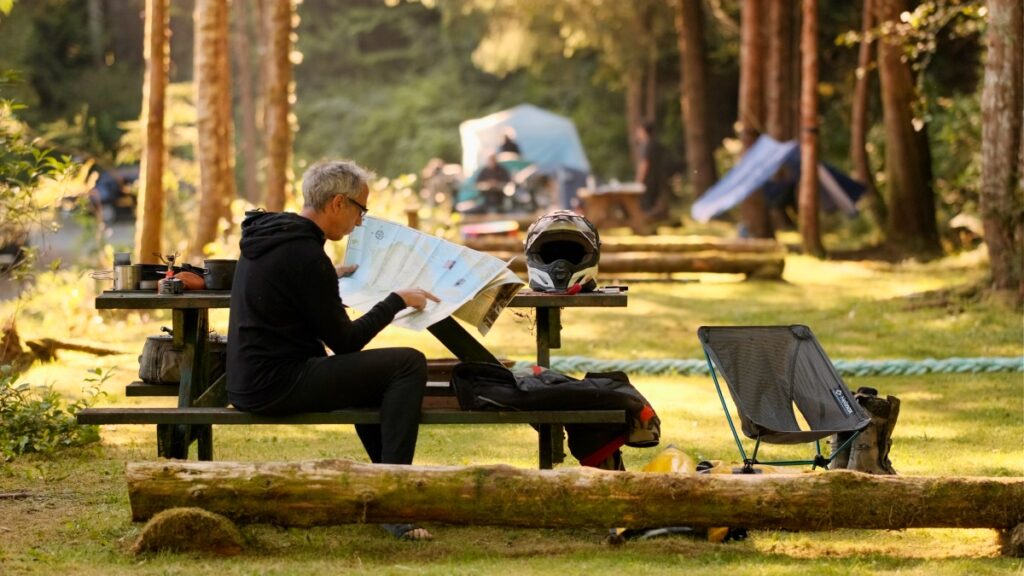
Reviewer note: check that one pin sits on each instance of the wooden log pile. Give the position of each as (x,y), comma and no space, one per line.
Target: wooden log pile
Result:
(323,492)
(641,244)
(756,258)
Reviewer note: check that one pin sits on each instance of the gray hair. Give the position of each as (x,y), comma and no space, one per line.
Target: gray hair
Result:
(329,178)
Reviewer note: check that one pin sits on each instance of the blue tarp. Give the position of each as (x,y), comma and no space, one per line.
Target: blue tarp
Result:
(756,170)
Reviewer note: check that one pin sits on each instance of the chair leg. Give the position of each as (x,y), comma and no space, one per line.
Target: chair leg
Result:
(725,407)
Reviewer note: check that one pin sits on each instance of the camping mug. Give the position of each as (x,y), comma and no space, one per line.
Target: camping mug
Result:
(127,277)
(219,273)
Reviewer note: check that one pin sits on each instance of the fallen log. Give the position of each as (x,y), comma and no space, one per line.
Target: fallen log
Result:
(321,492)
(610,245)
(45,349)
(767,266)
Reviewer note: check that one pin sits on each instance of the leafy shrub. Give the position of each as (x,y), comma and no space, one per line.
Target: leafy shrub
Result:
(30,177)
(38,419)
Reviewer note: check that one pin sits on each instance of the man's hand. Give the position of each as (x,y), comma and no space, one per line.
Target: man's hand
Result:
(345,271)
(416,297)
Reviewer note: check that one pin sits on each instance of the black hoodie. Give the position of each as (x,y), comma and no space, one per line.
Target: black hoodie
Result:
(285,307)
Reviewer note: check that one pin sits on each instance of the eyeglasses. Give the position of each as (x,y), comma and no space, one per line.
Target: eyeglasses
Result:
(362,209)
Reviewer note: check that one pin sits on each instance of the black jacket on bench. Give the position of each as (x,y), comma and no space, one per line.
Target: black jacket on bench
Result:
(285,307)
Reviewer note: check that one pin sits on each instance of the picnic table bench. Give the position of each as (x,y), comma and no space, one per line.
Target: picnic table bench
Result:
(202,404)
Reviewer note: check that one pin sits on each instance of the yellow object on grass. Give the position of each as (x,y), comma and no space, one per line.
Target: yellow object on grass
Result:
(673,460)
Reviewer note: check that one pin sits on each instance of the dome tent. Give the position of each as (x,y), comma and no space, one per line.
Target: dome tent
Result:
(547,140)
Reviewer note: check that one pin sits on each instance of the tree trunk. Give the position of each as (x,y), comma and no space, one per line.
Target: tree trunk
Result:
(262,45)
(226,160)
(779,56)
(807,198)
(246,100)
(324,492)
(634,112)
(1002,146)
(212,79)
(700,157)
(795,65)
(95,15)
(859,118)
(651,86)
(911,225)
(779,86)
(123,37)
(150,204)
(279,88)
(754,210)
(215,125)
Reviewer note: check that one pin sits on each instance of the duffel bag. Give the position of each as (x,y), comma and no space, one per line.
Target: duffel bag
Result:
(160,361)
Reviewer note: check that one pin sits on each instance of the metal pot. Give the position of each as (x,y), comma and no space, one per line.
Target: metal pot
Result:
(127,277)
(219,274)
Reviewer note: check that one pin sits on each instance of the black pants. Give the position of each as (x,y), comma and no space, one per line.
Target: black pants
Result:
(391,379)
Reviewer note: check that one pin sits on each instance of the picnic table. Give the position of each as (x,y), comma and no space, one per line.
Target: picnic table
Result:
(616,205)
(202,403)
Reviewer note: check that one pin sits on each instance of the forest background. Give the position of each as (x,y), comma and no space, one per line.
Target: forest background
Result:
(387,84)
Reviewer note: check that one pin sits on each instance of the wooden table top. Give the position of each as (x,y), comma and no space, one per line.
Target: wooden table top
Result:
(150,300)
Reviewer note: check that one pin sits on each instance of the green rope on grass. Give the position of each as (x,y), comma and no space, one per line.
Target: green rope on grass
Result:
(894,367)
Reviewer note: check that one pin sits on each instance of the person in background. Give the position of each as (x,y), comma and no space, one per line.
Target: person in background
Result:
(509,146)
(649,172)
(285,308)
(491,181)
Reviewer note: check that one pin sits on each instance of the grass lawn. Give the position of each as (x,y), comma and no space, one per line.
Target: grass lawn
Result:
(70,514)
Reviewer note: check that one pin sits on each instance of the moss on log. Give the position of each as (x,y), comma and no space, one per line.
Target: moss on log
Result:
(1012,540)
(323,492)
(175,529)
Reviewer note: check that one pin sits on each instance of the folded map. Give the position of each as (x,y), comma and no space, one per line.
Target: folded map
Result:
(473,286)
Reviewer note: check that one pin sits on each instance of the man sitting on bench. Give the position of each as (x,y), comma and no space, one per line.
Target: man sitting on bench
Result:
(285,307)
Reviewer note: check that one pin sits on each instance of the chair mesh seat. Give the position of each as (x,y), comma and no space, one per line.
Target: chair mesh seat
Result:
(771,369)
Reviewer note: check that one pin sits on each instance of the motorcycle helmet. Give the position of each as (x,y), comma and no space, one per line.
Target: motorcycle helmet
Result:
(562,251)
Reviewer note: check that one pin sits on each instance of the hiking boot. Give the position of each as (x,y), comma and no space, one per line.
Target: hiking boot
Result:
(842,458)
(870,451)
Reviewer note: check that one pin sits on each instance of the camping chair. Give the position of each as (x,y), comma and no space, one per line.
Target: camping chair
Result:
(768,370)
